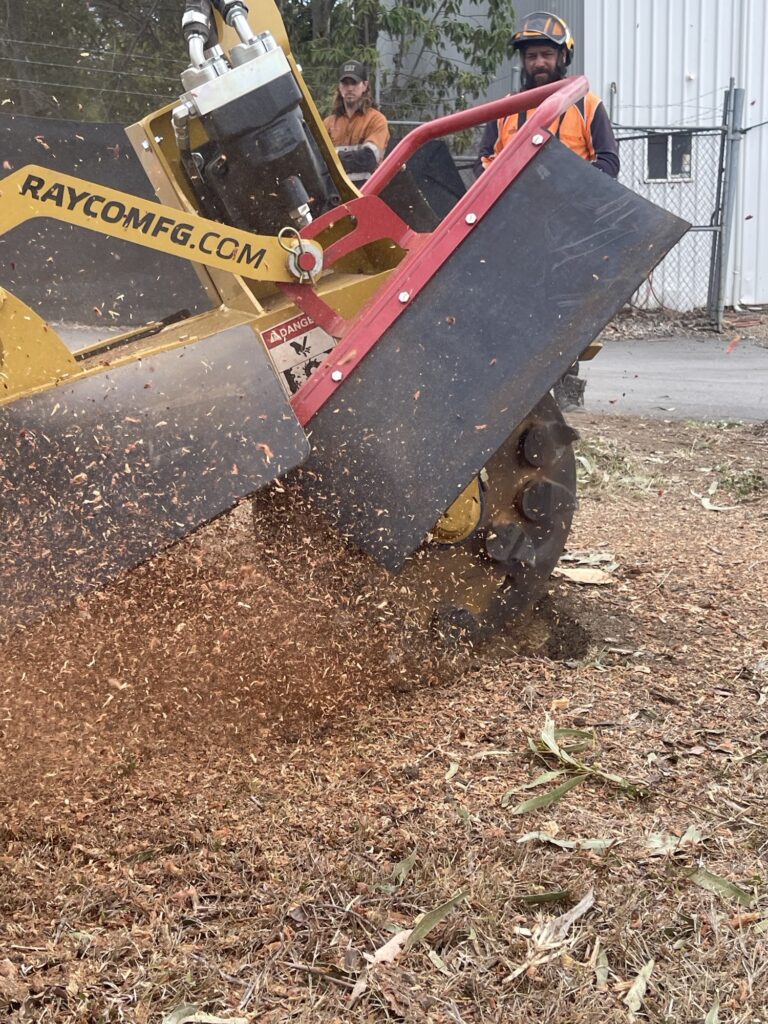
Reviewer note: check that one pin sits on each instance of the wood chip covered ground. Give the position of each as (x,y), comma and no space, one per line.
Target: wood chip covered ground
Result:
(242,784)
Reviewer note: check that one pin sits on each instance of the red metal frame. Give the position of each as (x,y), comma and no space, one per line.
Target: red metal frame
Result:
(459,122)
(419,266)
(371,220)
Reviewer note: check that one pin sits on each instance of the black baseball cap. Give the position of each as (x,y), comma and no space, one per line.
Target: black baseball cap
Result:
(353,69)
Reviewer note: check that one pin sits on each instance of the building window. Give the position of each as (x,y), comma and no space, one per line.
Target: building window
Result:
(669,156)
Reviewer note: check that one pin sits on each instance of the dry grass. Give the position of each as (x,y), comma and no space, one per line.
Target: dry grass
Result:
(234,813)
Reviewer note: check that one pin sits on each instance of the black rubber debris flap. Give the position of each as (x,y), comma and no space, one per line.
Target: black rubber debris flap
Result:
(98,475)
(501,320)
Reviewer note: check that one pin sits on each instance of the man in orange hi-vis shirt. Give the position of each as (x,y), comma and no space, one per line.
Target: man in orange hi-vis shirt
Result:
(546,46)
(358,130)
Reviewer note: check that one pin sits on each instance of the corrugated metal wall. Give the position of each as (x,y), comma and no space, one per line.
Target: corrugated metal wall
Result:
(668,62)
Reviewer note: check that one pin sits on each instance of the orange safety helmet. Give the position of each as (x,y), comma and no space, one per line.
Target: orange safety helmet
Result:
(542,27)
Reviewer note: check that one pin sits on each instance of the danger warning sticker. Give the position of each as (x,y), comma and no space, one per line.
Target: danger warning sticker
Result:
(297,347)
(289,329)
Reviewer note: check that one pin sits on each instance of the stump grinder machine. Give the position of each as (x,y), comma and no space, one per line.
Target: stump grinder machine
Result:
(404,364)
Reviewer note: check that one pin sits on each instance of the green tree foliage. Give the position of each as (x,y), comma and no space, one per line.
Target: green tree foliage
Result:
(114,60)
(440,54)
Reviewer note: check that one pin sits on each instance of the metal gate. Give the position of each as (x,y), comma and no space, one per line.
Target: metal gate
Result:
(691,172)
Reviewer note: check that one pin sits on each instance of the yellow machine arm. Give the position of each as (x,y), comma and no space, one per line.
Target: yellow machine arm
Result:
(39,192)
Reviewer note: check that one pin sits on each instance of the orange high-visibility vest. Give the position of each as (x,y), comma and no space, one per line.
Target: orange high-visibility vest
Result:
(573,128)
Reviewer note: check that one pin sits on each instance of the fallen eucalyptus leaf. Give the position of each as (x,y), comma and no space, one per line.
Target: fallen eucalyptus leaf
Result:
(591,558)
(600,964)
(556,930)
(721,886)
(633,1000)
(543,779)
(439,963)
(592,577)
(391,950)
(538,803)
(430,920)
(403,868)
(533,899)
(660,845)
(186,1013)
(569,844)
(713,1017)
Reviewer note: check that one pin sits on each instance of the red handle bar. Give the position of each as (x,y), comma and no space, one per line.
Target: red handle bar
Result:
(552,101)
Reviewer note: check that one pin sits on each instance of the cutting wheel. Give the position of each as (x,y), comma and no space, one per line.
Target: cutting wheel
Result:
(489,557)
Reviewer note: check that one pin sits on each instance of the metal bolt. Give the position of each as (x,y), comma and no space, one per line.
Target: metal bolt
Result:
(471,218)
(145,144)
(337,375)
(537,140)
(404,296)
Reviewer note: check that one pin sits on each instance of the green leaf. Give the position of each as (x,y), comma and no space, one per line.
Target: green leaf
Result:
(538,803)
(545,837)
(580,735)
(633,1000)
(403,868)
(569,844)
(660,844)
(481,755)
(721,887)
(544,779)
(426,922)
(439,963)
(713,1017)
(562,742)
(602,968)
(634,789)
(533,899)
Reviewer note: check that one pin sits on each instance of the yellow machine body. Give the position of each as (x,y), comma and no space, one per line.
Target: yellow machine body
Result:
(418,360)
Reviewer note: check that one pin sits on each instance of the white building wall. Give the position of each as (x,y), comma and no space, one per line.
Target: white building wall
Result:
(668,63)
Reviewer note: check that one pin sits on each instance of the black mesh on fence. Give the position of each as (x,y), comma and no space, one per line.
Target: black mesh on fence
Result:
(678,169)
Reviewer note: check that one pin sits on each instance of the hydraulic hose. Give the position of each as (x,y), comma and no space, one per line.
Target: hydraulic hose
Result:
(199,30)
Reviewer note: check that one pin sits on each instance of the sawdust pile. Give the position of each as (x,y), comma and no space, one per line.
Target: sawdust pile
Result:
(263,622)
(190,857)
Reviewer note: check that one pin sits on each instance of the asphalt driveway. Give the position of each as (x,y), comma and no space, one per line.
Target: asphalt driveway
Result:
(680,378)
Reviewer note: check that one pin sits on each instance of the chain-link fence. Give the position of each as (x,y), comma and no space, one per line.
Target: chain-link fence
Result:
(680,170)
(691,172)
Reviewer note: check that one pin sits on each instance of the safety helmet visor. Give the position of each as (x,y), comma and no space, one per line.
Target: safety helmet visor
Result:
(542,27)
